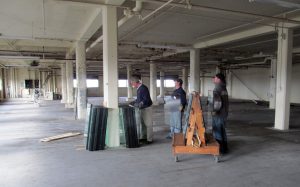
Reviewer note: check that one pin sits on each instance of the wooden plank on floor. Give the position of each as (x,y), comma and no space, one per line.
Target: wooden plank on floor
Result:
(60,136)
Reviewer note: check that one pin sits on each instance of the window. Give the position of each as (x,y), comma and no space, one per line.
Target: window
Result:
(90,83)
(169,83)
(158,83)
(123,83)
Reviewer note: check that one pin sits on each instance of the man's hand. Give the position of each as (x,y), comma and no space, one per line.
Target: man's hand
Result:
(180,108)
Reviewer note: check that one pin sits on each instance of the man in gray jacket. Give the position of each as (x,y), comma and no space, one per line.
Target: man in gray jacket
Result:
(220,111)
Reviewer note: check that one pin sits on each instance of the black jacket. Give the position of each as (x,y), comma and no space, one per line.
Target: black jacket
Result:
(143,97)
(220,101)
(181,93)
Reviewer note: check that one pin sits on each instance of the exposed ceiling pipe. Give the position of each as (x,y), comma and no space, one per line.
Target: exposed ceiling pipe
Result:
(156,10)
(221,10)
(266,60)
(278,3)
(86,4)
(128,15)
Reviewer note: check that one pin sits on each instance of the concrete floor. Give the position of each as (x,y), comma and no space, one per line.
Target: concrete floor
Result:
(258,155)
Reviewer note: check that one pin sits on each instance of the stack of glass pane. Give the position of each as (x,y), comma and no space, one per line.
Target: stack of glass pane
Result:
(96,128)
(128,127)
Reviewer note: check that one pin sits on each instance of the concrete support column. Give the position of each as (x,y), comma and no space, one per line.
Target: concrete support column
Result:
(54,81)
(100,85)
(43,83)
(153,85)
(40,79)
(218,70)
(110,56)
(5,83)
(11,82)
(1,84)
(272,92)
(202,79)
(229,83)
(81,80)
(162,85)
(194,70)
(129,87)
(69,78)
(284,71)
(185,79)
(63,83)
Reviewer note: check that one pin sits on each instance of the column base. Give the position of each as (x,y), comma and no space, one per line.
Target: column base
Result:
(130,99)
(69,105)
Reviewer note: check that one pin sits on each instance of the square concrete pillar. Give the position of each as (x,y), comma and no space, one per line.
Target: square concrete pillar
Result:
(194,70)
(110,57)
(284,71)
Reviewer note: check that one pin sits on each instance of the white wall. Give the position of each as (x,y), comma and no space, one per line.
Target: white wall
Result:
(257,80)
(251,84)
(21,74)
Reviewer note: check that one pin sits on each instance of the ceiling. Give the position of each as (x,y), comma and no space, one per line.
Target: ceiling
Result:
(46,30)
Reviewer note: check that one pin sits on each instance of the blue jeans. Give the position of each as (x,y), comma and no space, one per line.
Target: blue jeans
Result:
(175,122)
(218,128)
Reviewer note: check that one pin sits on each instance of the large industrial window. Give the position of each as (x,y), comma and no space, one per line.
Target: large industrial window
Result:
(123,83)
(90,83)
(169,83)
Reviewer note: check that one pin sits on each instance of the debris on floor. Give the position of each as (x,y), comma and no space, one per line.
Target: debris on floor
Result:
(61,136)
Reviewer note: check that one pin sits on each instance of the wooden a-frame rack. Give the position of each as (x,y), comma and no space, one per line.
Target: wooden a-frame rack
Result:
(196,140)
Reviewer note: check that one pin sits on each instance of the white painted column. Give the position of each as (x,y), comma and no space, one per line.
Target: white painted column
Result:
(70,86)
(110,57)
(202,79)
(54,81)
(63,83)
(162,85)
(16,86)
(100,85)
(129,87)
(40,80)
(218,70)
(185,79)
(49,81)
(153,85)
(5,83)
(272,91)
(1,84)
(194,70)
(43,83)
(284,71)
(11,81)
(81,80)
(229,83)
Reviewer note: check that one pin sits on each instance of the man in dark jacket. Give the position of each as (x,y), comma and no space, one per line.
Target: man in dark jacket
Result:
(143,102)
(220,111)
(176,116)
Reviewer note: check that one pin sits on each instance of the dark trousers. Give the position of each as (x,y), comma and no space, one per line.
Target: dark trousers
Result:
(219,132)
